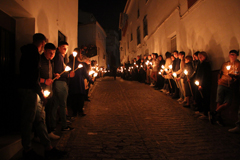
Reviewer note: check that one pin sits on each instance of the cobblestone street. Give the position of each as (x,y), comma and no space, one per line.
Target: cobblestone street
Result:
(130,120)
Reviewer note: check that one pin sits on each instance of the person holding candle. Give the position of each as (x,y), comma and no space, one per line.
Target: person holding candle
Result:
(60,87)
(154,73)
(77,90)
(46,75)
(149,68)
(181,56)
(166,76)
(188,70)
(160,79)
(227,76)
(32,100)
(204,78)
(175,68)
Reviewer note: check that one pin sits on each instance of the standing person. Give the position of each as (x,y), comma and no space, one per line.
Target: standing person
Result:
(46,76)
(77,90)
(187,80)
(32,100)
(203,75)
(60,88)
(226,80)
(176,67)
(155,63)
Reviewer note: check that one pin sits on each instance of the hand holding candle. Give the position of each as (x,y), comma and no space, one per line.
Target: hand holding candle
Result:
(66,70)
(74,55)
(46,93)
(228,68)
(197,83)
(79,66)
(186,73)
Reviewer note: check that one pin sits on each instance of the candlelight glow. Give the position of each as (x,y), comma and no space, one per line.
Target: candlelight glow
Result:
(159,72)
(134,63)
(170,67)
(162,66)
(91,72)
(185,72)
(95,75)
(67,69)
(137,66)
(150,63)
(46,93)
(174,75)
(74,54)
(166,69)
(228,67)
(80,66)
(141,65)
(197,83)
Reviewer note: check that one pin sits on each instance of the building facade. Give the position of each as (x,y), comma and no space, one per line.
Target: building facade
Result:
(113,54)
(91,34)
(186,25)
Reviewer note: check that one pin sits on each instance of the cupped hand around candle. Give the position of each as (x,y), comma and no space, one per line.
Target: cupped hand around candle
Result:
(57,75)
(72,74)
(48,82)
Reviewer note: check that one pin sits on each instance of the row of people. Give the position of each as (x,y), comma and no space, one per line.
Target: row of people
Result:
(42,68)
(187,79)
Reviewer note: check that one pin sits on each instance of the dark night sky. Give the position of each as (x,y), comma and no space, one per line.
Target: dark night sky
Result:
(105,11)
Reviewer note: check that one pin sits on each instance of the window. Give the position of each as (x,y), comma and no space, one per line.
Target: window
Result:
(138,13)
(138,35)
(191,2)
(131,36)
(173,43)
(61,37)
(145,26)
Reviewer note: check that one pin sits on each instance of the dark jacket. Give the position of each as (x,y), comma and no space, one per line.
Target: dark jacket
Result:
(59,67)
(188,66)
(76,84)
(44,71)
(204,76)
(29,69)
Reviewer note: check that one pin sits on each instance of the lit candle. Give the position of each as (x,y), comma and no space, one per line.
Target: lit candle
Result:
(46,93)
(174,75)
(162,67)
(134,63)
(170,67)
(137,66)
(67,68)
(74,55)
(95,75)
(79,66)
(228,68)
(150,63)
(160,73)
(186,73)
(141,66)
(197,83)
(91,72)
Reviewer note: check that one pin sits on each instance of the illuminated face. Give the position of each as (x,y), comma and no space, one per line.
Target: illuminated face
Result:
(175,54)
(49,53)
(186,60)
(172,57)
(42,47)
(201,57)
(232,57)
(63,49)
(195,57)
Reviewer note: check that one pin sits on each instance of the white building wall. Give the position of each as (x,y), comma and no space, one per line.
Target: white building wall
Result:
(43,16)
(101,44)
(209,25)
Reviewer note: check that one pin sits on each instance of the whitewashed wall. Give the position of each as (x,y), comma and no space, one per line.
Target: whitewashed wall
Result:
(209,25)
(43,16)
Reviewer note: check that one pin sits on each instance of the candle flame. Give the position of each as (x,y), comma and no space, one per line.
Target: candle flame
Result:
(162,66)
(141,65)
(174,75)
(46,93)
(67,68)
(185,72)
(228,67)
(170,67)
(159,72)
(74,54)
(197,83)
(95,75)
(91,72)
(80,66)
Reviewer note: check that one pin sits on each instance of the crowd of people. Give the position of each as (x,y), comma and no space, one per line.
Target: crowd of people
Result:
(48,88)
(188,79)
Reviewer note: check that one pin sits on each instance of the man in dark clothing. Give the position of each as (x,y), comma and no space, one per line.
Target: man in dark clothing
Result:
(33,100)
(60,87)
(176,67)
(46,76)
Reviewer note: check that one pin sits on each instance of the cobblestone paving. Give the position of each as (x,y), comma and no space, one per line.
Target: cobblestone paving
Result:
(127,120)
